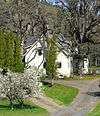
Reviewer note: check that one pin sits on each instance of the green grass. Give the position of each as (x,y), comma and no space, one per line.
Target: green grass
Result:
(62,95)
(95,111)
(85,77)
(28,110)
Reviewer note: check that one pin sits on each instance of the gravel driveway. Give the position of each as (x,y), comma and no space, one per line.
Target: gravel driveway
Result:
(88,96)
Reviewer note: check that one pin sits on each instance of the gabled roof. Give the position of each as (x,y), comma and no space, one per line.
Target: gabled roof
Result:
(29,40)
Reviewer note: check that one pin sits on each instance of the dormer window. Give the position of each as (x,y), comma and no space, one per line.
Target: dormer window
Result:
(58,64)
(39,52)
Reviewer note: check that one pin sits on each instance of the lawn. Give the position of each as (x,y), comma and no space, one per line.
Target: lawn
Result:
(62,95)
(85,77)
(28,110)
(95,111)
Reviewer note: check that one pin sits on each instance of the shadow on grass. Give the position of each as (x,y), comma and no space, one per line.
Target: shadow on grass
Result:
(4,107)
(95,94)
(45,82)
(17,106)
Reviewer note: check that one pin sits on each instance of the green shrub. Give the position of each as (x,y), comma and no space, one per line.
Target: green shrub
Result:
(10,51)
(51,55)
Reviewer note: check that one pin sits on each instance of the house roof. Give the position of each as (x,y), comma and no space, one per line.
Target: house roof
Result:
(29,40)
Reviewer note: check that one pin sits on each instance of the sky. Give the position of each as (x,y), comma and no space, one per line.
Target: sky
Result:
(53,1)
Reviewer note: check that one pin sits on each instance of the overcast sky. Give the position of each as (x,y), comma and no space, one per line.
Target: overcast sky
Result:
(53,1)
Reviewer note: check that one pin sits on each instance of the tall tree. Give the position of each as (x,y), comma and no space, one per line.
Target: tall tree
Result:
(80,25)
(2,48)
(10,51)
(50,57)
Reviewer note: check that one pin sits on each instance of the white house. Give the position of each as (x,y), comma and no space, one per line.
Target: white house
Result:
(34,58)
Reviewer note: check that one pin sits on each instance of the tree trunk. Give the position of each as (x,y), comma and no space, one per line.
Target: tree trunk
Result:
(11,104)
(21,103)
(81,72)
(94,72)
(52,81)
(81,68)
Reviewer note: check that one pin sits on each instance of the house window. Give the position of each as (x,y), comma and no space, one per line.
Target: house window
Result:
(58,64)
(39,52)
(44,65)
(98,62)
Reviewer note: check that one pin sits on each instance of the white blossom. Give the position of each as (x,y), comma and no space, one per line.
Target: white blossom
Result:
(20,85)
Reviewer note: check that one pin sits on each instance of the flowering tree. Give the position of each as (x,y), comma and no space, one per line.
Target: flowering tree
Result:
(14,86)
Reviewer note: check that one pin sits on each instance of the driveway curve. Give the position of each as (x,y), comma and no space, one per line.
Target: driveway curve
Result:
(88,96)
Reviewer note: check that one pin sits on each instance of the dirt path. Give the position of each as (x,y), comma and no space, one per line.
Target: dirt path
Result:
(88,96)
(47,103)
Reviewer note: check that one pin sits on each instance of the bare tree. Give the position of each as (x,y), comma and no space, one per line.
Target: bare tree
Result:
(80,24)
